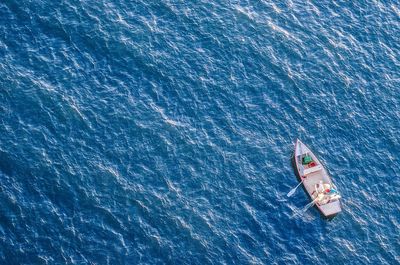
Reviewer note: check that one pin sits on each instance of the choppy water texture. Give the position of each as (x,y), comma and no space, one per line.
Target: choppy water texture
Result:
(161,131)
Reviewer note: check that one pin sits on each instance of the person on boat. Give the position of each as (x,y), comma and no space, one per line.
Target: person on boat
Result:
(330,191)
(322,187)
(324,193)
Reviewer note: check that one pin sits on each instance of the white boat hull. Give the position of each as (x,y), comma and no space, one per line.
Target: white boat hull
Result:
(312,177)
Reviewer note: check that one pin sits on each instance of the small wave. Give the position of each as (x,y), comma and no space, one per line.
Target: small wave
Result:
(168,120)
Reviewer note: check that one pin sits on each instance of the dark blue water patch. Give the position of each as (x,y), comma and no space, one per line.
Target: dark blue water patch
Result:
(162,132)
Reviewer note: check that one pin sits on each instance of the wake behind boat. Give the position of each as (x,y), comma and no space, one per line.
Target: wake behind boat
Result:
(316,181)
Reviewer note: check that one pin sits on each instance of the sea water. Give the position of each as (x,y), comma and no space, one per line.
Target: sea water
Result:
(161,132)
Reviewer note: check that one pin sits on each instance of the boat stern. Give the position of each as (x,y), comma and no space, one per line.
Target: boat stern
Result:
(331,209)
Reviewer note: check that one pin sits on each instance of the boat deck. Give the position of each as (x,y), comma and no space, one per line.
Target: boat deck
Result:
(314,175)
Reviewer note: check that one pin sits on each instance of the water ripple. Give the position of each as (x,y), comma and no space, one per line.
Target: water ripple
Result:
(144,132)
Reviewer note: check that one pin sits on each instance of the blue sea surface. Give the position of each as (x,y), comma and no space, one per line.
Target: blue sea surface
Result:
(161,132)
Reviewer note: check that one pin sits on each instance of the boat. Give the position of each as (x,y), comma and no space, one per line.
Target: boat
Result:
(316,181)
